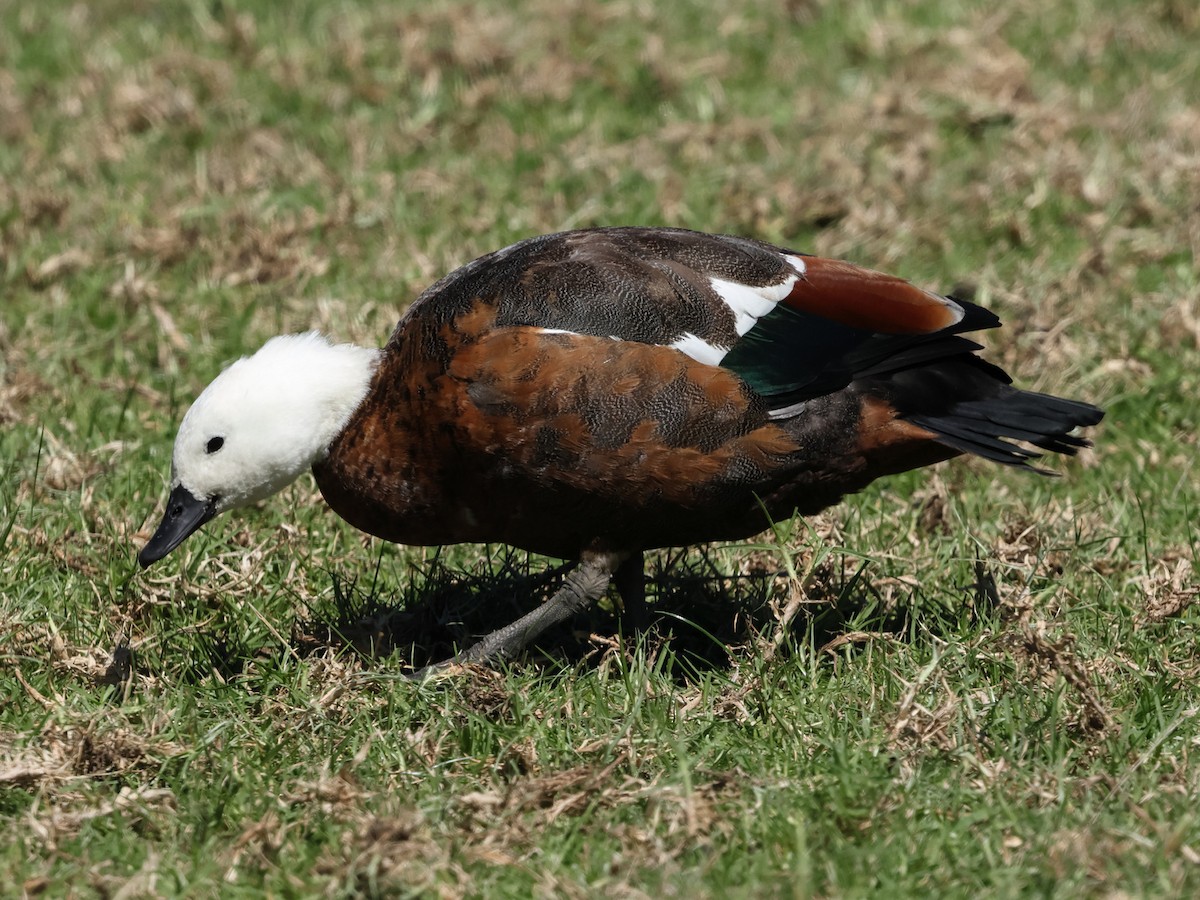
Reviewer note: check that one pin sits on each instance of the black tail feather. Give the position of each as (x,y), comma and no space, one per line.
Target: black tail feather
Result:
(970,405)
(886,353)
(963,437)
(980,426)
(938,383)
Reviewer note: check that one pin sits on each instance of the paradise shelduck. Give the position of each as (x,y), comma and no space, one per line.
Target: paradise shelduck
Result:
(595,394)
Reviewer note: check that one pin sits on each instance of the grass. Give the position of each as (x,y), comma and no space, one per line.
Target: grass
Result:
(964,681)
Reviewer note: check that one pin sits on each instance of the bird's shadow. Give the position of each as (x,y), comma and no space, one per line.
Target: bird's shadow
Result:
(699,614)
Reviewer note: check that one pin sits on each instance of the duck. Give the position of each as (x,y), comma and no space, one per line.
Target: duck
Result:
(596,394)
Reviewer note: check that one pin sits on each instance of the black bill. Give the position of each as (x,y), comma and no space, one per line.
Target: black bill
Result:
(184,515)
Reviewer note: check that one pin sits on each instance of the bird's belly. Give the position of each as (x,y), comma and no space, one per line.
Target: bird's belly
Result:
(557,512)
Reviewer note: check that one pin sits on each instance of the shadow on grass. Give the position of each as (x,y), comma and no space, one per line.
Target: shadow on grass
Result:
(702,616)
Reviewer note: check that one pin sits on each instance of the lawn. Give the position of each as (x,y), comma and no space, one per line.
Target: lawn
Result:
(962,681)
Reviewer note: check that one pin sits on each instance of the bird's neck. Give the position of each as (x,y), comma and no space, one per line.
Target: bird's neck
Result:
(338,388)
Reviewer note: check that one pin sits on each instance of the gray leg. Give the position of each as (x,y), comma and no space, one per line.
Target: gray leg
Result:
(580,589)
(630,582)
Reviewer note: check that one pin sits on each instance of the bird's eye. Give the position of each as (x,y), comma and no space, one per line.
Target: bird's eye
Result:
(214,444)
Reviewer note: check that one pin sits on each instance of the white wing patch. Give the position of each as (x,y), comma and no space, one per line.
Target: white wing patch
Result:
(796,262)
(611,337)
(747,303)
(694,346)
(787,412)
(699,349)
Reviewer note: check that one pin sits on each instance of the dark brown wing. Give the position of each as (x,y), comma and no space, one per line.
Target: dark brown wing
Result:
(797,325)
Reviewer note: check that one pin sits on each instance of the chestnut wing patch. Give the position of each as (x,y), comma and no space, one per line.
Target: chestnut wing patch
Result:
(839,322)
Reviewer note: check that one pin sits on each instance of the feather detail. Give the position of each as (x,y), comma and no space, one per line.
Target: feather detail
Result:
(870,301)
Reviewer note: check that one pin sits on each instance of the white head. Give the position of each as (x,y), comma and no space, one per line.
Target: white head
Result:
(260,424)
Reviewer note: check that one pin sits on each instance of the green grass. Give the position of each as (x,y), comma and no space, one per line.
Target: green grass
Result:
(989,683)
